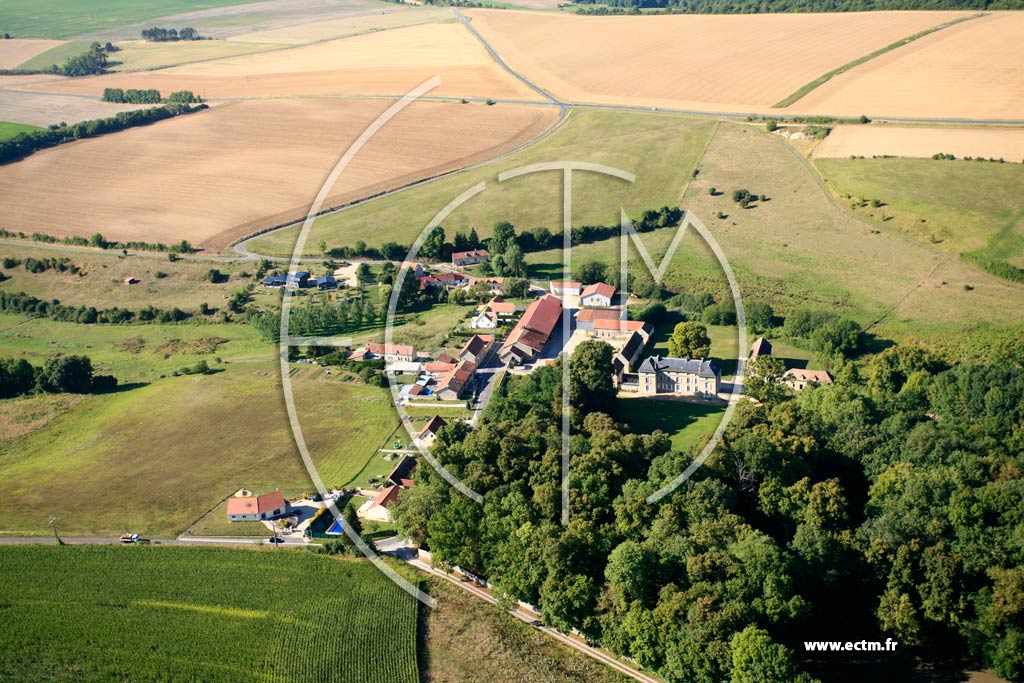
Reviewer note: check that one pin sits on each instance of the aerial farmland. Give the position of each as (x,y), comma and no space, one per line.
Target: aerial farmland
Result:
(353,340)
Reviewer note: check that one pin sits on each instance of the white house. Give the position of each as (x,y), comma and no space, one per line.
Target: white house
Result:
(377,509)
(798,380)
(428,434)
(566,288)
(682,376)
(597,295)
(484,320)
(256,508)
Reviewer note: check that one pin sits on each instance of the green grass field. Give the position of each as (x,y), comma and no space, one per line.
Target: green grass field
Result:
(960,206)
(685,423)
(9,130)
(57,55)
(62,19)
(209,614)
(660,149)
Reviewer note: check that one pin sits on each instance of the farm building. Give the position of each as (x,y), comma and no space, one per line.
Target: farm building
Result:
(377,509)
(439,367)
(531,333)
(598,294)
(470,258)
(401,475)
(604,328)
(428,282)
(586,318)
(255,508)
(389,352)
(476,347)
(326,282)
(452,385)
(566,288)
(760,347)
(798,380)
(275,281)
(429,432)
(297,280)
(681,376)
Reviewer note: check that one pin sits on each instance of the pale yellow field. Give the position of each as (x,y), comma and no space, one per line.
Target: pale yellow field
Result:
(971,70)
(700,62)
(15,51)
(42,109)
(348,26)
(921,141)
(384,62)
(140,54)
(215,176)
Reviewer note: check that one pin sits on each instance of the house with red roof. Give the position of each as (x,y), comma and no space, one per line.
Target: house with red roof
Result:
(377,509)
(566,288)
(598,295)
(257,508)
(531,333)
(428,434)
(470,258)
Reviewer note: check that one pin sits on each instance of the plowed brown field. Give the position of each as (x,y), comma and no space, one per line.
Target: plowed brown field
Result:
(215,176)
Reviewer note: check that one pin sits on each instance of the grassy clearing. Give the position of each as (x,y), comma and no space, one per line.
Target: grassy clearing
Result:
(824,78)
(61,19)
(179,614)
(57,55)
(685,423)
(468,641)
(9,129)
(960,206)
(661,149)
(136,55)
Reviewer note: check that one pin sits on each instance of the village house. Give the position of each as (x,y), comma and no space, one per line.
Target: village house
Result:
(493,313)
(760,347)
(603,328)
(486,319)
(798,380)
(680,376)
(476,347)
(428,434)
(587,317)
(470,258)
(297,280)
(376,510)
(401,475)
(531,333)
(453,384)
(326,282)
(257,508)
(597,295)
(449,280)
(275,281)
(566,288)
(389,352)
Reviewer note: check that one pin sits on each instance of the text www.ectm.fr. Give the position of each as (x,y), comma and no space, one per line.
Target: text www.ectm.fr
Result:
(850,646)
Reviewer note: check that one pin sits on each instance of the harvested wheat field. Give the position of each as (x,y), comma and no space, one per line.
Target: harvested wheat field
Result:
(42,109)
(700,62)
(922,142)
(16,51)
(215,176)
(393,17)
(137,55)
(384,62)
(971,70)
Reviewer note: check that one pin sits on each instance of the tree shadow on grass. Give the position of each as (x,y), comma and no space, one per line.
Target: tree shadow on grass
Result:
(129,386)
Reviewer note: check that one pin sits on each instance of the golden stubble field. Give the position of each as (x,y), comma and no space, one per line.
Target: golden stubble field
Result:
(383,62)
(922,142)
(218,175)
(15,51)
(701,62)
(971,70)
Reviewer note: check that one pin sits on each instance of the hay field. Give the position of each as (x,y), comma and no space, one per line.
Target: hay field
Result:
(701,62)
(971,70)
(42,109)
(384,62)
(140,54)
(218,175)
(16,51)
(921,142)
(392,17)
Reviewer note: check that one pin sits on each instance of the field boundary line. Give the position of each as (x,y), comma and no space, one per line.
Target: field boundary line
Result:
(794,97)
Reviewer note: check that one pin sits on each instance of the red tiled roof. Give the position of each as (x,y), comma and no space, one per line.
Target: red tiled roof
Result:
(386,497)
(447,358)
(389,349)
(470,254)
(474,345)
(813,376)
(567,285)
(433,425)
(542,315)
(594,314)
(257,505)
(614,324)
(439,367)
(598,288)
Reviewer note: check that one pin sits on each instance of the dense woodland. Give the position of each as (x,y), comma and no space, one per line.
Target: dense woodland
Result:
(890,504)
(59,374)
(767,6)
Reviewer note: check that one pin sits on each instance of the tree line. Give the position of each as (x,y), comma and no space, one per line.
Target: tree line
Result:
(33,265)
(59,374)
(24,144)
(161,35)
(886,505)
(148,96)
(26,304)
